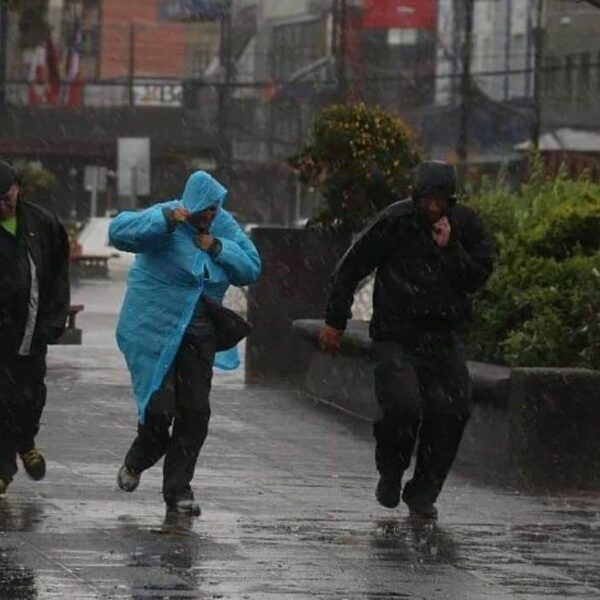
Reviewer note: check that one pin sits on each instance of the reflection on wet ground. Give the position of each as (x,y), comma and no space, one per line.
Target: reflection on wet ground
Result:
(288,511)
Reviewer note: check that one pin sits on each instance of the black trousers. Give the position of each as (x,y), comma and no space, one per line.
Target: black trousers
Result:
(183,405)
(22,401)
(424,395)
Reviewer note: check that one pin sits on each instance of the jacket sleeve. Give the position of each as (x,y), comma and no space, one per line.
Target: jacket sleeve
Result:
(469,259)
(238,255)
(54,313)
(363,257)
(139,231)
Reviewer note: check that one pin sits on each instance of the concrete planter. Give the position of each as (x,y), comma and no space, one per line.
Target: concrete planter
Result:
(537,428)
(297,267)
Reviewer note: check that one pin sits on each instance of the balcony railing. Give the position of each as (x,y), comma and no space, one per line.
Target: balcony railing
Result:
(109,94)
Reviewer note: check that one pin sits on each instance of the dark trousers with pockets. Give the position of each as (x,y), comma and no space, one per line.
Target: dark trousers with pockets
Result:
(424,392)
(183,404)
(22,401)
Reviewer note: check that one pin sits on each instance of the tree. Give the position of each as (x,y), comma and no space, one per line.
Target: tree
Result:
(361,160)
(38,184)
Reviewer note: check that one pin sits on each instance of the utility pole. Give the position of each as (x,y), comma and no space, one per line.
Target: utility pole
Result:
(343,39)
(131,63)
(335,16)
(466,89)
(3,51)
(539,39)
(225,151)
(507,49)
(456,27)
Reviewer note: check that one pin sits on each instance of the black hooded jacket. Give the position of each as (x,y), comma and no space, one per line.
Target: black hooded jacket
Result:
(39,253)
(419,286)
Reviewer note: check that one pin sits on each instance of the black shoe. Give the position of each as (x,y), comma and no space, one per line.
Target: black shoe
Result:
(424,510)
(3,486)
(419,506)
(127,479)
(388,491)
(185,507)
(34,464)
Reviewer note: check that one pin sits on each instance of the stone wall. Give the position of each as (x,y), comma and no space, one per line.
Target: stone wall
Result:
(297,266)
(536,428)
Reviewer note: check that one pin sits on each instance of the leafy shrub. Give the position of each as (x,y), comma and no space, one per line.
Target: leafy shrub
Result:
(38,184)
(361,160)
(542,305)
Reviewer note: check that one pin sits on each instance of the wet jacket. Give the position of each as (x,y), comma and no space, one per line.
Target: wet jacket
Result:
(34,282)
(169,275)
(419,287)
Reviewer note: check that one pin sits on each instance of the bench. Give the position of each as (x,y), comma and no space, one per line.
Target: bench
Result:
(533,427)
(72,336)
(90,265)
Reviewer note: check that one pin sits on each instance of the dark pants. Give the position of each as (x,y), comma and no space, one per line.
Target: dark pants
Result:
(183,403)
(425,394)
(22,400)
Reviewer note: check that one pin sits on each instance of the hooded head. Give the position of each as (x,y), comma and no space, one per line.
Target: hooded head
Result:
(434,189)
(9,190)
(203,196)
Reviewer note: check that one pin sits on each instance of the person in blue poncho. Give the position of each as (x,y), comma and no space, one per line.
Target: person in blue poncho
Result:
(188,253)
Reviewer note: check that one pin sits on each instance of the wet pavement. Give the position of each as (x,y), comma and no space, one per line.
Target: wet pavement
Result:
(286,488)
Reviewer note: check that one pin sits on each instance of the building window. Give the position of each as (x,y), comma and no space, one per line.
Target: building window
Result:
(585,73)
(199,57)
(403,37)
(551,74)
(569,74)
(297,45)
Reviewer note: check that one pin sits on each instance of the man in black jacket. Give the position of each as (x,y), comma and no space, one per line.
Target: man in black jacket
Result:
(430,256)
(34,303)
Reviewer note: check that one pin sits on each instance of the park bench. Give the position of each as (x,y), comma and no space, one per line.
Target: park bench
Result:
(90,265)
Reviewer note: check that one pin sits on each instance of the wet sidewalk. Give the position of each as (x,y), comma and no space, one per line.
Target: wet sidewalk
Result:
(286,488)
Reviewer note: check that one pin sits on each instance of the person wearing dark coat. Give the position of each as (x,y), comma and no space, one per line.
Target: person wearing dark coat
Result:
(34,304)
(430,255)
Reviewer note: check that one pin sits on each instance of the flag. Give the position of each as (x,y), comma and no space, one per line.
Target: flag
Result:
(44,75)
(38,76)
(71,93)
(53,71)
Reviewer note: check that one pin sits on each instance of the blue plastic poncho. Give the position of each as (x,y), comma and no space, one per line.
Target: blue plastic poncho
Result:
(169,275)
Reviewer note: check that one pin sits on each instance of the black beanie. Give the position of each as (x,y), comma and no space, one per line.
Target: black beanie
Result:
(8,176)
(436,178)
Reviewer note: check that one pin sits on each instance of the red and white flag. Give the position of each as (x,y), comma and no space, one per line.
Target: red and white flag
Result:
(44,75)
(71,93)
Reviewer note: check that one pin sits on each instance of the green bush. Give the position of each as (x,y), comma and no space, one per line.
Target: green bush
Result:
(38,184)
(361,160)
(542,305)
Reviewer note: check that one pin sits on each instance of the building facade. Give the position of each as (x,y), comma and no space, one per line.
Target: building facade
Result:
(571,74)
(503,49)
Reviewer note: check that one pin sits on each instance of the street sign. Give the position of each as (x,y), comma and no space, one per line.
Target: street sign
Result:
(158,93)
(94,177)
(133,156)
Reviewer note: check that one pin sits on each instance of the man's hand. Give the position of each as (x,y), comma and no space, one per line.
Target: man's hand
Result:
(441,232)
(204,241)
(330,339)
(175,216)
(180,214)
